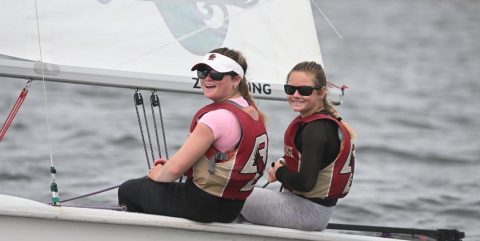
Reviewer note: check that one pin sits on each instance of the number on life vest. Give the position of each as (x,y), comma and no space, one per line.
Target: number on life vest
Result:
(259,153)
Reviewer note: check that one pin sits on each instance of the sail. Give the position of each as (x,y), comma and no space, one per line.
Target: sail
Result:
(153,43)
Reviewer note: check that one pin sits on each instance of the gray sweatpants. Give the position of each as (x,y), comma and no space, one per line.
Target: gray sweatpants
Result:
(284,209)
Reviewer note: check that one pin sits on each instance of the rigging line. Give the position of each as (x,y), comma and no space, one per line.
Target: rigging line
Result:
(114,208)
(14,111)
(154,102)
(138,100)
(326,18)
(148,132)
(44,86)
(343,87)
(163,127)
(53,185)
(89,194)
(43,81)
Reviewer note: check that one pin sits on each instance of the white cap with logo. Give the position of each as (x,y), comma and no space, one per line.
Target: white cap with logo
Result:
(220,63)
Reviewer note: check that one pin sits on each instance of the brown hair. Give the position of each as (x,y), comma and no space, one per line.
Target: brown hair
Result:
(242,87)
(320,80)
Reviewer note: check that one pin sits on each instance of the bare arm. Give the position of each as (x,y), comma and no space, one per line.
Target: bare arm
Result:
(194,147)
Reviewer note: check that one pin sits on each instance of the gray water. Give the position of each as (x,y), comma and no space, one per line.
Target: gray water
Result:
(412,68)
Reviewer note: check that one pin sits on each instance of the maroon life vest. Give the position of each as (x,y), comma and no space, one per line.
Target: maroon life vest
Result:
(334,181)
(232,174)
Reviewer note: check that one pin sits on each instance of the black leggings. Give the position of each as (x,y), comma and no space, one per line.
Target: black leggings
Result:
(175,199)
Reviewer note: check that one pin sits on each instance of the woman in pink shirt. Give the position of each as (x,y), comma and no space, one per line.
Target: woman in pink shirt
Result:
(223,157)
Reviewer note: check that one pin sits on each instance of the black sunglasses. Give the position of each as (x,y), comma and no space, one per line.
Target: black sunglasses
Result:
(215,75)
(302,90)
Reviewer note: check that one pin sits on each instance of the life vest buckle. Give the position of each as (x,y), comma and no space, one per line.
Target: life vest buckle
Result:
(219,156)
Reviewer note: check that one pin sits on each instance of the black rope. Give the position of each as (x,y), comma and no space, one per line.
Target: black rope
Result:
(162,126)
(266,184)
(148,132)
(117,208)
(138,100)
(88,194)
(155,102)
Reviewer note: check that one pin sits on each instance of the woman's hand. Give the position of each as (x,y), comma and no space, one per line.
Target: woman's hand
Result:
(275,165)
(153,173)
(194,147)
(160,161)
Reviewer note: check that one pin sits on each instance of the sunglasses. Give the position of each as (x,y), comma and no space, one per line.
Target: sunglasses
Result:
(302,90)
(202,74)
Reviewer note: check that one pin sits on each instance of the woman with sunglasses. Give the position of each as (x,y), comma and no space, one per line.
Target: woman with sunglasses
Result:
(223,157)
(318,162)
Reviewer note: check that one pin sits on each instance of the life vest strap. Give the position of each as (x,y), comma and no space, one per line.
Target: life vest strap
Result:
(219,156)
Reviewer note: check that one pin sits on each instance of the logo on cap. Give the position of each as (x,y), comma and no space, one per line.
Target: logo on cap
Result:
(211,57)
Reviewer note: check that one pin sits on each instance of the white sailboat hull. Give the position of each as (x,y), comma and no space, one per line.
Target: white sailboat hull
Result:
(26,220)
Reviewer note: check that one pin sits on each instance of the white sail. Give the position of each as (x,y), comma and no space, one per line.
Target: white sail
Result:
(161,39)
(148,44)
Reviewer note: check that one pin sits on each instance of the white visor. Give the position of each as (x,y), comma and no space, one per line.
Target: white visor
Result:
(220,63)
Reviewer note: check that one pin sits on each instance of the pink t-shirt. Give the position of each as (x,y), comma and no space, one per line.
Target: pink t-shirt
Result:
(224,125)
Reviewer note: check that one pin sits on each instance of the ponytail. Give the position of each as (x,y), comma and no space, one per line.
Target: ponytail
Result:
(243,86)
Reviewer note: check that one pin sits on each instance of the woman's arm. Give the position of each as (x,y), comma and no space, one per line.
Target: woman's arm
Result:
(316,140)
(194,147)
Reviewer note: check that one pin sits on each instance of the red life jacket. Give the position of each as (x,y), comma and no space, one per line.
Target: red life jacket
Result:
(334,181)
(232,174)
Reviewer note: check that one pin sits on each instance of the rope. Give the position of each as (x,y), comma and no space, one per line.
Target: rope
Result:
(148,132)
(89,194)
(14,110)
(273,164)
(163,129)
(154,102)
(138,100)
(326,18)
(342,88)
(53,186)
(119,208)
(116,208)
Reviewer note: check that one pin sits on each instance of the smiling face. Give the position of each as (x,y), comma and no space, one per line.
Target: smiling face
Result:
(219,90)
(305,105)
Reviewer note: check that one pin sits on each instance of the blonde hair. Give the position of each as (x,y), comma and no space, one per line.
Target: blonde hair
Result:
(320,80)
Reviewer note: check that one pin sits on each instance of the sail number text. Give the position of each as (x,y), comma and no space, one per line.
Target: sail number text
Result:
(254,88)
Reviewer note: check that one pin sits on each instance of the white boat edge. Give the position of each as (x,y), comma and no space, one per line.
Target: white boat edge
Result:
(44,222)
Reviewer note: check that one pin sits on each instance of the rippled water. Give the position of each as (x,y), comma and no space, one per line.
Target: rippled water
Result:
(413,70)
